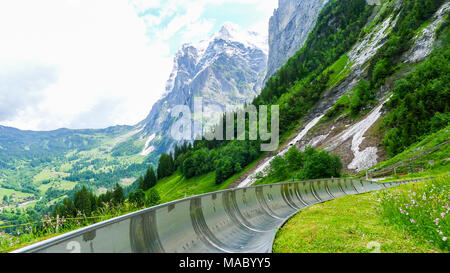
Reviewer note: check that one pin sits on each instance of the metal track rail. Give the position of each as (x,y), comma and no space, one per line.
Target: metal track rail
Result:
(231,221)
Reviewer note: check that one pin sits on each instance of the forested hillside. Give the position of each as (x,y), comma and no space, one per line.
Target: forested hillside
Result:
(296,87)
(418,107)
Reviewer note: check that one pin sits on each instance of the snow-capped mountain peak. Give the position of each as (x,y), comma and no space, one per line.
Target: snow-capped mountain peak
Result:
(226,70)
(233,33)
(204,52)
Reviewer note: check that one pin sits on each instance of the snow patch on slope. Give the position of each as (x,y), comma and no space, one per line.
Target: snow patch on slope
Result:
(263,168)
(124,137)
(368,47)
(303,133)
(147,150)
(318,139)
(373,2)
(233,33)
(368,157)
(424,41)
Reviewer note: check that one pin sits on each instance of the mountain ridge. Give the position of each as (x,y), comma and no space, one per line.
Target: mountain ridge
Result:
(224,70)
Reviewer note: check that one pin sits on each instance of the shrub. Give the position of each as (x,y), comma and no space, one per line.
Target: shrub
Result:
(294,159)
(189,167)
(362,96)
(320,164)
(137,198)
(310,164)
(278,168)
(153,198)
(224,169)
(380,71)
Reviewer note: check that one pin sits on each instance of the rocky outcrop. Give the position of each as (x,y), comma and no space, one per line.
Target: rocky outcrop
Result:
(289,28)
(354,140)
(372,42)
(424,41)
(346,138)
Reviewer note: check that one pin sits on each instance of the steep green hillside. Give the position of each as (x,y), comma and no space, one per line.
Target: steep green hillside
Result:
(322,69)
(296,88)
(427,157)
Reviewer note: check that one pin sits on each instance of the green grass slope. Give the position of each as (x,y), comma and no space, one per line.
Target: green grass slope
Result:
(350,224)
(428,157)
(177,186)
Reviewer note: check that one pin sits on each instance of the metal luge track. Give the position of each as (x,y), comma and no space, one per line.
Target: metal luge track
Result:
(230,221)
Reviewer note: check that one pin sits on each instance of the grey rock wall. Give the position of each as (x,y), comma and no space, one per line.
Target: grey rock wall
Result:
(289,28)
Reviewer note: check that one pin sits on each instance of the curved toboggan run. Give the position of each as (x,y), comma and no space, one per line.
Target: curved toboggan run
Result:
(231,221)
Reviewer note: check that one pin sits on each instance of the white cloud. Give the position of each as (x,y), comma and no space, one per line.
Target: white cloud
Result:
(103,62)
(100,51)
(186,16)
(197,30)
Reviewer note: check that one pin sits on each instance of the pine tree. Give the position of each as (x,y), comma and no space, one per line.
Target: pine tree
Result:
(141,183)
(68,208)
(165,166)
(82,201)
(149,179)
(118,196)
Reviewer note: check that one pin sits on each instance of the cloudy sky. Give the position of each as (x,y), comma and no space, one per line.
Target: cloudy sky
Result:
(96,63)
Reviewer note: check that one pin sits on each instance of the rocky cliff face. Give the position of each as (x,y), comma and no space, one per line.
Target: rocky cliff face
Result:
(289,28)
(356,141)
(226,71)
